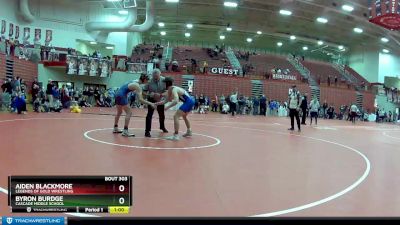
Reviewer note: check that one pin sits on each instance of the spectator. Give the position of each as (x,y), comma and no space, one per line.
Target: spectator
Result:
(304,108)
(175,66)
(35,89)
(263,105)
(314,108)
(256,105)
(233,100)
(49,92)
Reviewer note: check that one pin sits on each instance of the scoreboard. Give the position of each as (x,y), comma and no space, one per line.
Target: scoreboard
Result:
(70,194)
(385,13)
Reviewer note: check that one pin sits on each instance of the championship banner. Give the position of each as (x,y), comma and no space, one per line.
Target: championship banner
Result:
(137,67)
(3,27)
(385,13)
(27,33)
(83,66)
(94,67)
(11,30)
(49,35)
(38,35)
(104,68)
(72,65)
(16,32)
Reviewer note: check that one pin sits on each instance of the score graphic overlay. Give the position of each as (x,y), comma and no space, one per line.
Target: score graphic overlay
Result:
(73,194)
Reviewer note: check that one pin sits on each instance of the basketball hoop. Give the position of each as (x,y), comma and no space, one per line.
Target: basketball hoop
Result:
(129,4)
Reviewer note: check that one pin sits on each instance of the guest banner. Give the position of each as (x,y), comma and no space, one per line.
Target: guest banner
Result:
(16,32)
(11,30)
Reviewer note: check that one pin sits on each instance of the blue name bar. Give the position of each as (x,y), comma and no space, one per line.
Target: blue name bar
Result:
(32,220)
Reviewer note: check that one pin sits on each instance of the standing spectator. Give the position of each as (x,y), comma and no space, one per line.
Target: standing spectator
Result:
(256,105)
(324,108)
(314,108)
(263,105)
(294,107)
(329,80)
(336,80)
(221,102)
(35,89)
(304,107)
(155,88)
(353,112)
(49,92)
(205,67)
(234,100)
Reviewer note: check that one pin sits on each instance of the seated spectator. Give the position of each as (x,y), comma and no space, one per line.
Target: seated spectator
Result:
(225,108)
(19,104)
(175,66)
(100,101)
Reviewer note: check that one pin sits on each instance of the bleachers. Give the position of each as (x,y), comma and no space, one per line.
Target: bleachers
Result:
(145,52)
(356,75)
(321,71)
(27,70)
(263,64)
(2,67)
(183,54)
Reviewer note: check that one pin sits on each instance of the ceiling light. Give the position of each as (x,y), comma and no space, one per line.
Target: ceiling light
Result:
(358,30)
(348,8)
(175,1)
(249,40)
(320,42)
(385,40)
(109,47)
(123,12)
(161,24)
(222,37)
(259,32)
(322,20)
(229,28)
(285,12)
(163,33)
(187,34)
(279,44)
(113,0)
(385,51)
(340,47)
(292,37)
(93,43)
(189,25)
(230,4)
(305,48)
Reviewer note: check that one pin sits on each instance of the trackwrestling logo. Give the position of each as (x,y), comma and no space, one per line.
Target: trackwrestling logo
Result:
(33,220)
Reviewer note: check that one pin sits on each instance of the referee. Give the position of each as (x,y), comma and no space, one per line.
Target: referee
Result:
(155,88)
